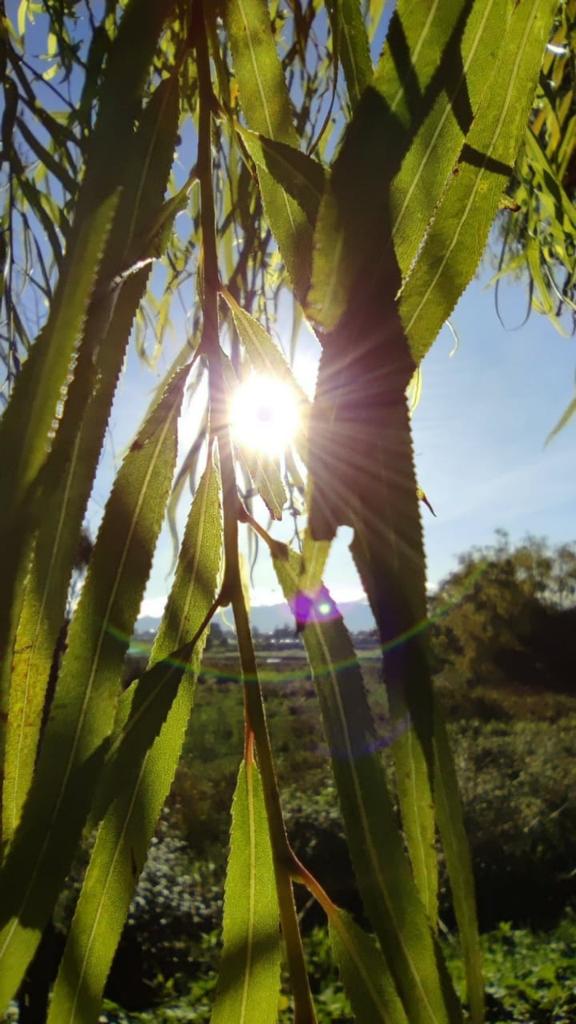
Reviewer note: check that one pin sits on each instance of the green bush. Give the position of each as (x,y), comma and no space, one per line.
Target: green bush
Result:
(518,781)
(530,979)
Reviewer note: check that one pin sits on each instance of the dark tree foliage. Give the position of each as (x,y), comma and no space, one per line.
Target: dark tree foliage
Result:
(508,613)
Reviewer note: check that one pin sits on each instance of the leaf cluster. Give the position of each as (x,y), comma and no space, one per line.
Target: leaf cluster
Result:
(239,154)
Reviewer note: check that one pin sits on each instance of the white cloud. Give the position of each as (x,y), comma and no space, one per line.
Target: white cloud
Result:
(153,606)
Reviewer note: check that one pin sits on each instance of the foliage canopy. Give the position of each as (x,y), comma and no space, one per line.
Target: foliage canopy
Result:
(508,613)
(217,157)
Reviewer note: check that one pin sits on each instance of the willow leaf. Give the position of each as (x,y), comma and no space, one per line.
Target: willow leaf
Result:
(351,45)
(266,106)
(364,972)
(263,92)
(291,228)
(389,556)
(458,234)
(418,187)
(249,981)
(296,172)
(150,729)
(416,42)
(263,353)
(26,423)
(25,426)
(459,864)
(72,462)
(267,479)
(354,220)
(376,845)
(360,460)
(314,557)
(82,711)
(565,418)
(120,96)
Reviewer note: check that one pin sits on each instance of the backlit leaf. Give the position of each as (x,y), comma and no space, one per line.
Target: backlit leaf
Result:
(459,864)
(298,174)
(266,106)
(150,730)
(415,43)
(26,424)
(364,972)
(351,45)
(418,187)
(72,462)
(458,234)
(376,846)
(249,981)
(87,690)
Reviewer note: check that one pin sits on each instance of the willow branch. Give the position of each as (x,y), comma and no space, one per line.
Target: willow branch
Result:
(256,728)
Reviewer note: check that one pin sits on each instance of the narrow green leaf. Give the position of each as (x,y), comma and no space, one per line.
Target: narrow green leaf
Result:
(266,106)
(360,452)
(263,92)
(351,45)
(364,973)
(376,845)
(417,37)
(355,220)
(297,173)
(352,247)
(459,864)
(71,465)
(565,418)
(314,557)
(120,97)
(389,555)
(418,187)
(26,424)
(267,479)
(458,234)
(82,711)
(291,228)
(150,730)
(249,982)
(264,354)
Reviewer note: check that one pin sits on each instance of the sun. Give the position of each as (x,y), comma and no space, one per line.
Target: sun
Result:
(264,414)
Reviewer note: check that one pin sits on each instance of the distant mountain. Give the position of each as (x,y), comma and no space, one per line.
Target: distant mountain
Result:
(147,624)
(267,618)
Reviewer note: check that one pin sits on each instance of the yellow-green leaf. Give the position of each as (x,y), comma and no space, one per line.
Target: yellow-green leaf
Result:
(249,980)
(364,972)
(458,234)
(417,37)
(376,845)
(418,187)
(150,730)
(88,686)
(266,105)
(71,465)
(351,45)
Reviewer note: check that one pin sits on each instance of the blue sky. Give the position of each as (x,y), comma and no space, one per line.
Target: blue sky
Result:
(479,434)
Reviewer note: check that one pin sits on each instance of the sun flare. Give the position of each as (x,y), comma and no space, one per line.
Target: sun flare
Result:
(264,415)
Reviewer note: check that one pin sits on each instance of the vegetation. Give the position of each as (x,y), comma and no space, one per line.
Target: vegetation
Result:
(509,613)
(270,156)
